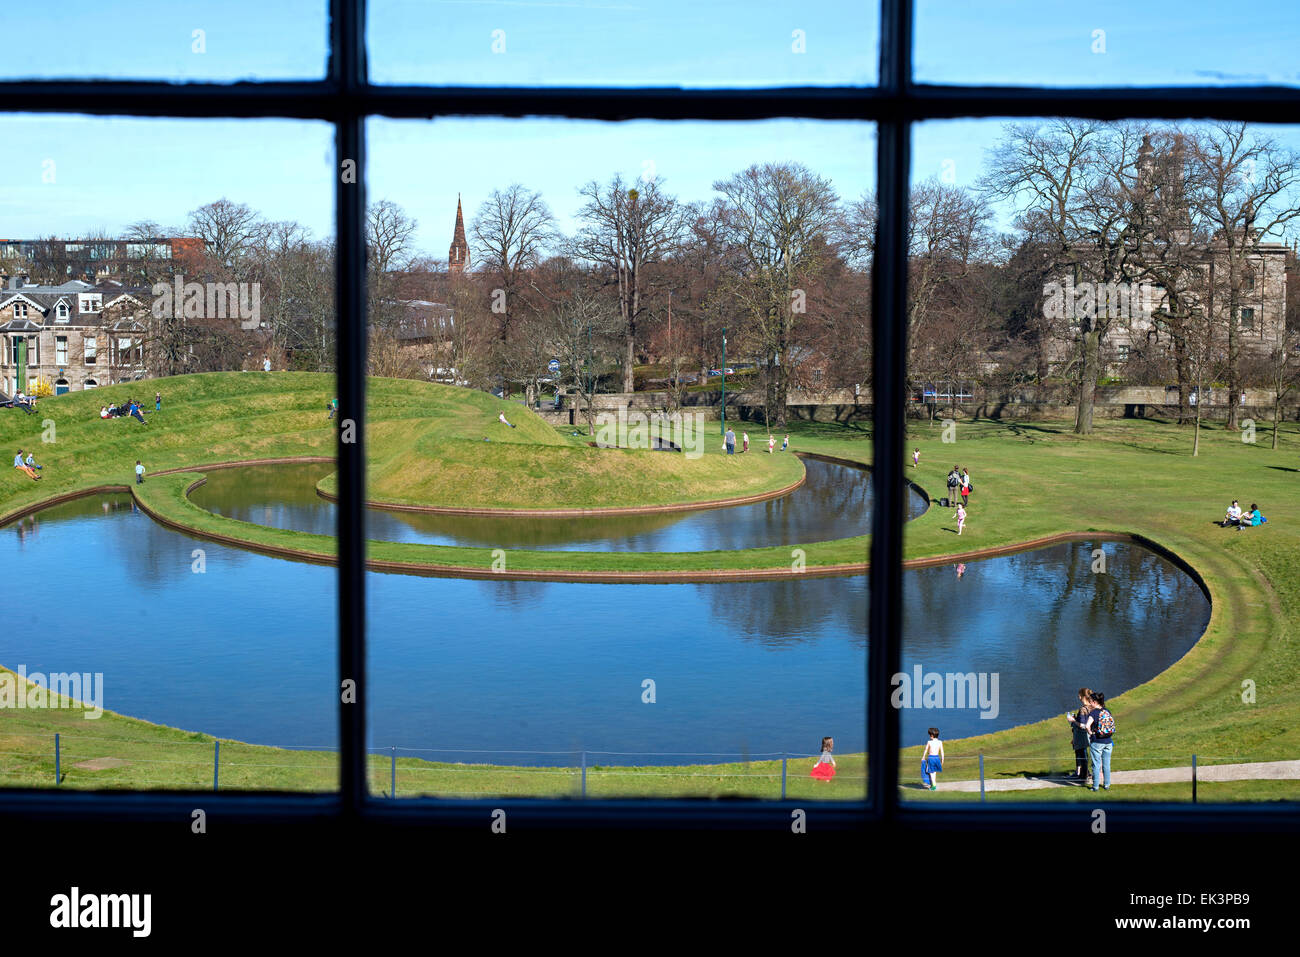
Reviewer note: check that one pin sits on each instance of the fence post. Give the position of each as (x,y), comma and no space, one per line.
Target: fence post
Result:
(981,775)
(783,759)
(393,791)
(57,778)
(216,764)
(1193,779)
(584,773)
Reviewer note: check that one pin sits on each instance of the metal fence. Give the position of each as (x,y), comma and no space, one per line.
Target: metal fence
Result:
(34,760)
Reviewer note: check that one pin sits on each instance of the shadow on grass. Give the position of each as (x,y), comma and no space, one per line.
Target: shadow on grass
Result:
(1021,430)
(1282,468)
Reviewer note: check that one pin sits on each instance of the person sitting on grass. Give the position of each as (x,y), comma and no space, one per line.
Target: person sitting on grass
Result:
(1251,518)
(1233,516)
(31,463)
(22,466)
(103,412)
(135,412)
(505,421)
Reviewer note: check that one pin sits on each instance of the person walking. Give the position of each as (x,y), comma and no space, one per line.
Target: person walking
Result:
(916,458)
(744,437)
(771,444)
(266,363)
(333,406)
(824,768)
(965,485)
(1079,735)
(139,473)
(729,442)
(785,444)
(932,761)
(1100,725)
(961,517)
(157,401)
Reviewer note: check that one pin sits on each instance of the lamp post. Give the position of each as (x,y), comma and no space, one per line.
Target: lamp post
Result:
(724,380)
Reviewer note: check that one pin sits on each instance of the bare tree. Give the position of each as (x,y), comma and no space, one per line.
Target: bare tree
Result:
(781,219)
(1243,186)
(388,252)
(229,232)
(626,229)
(579,328)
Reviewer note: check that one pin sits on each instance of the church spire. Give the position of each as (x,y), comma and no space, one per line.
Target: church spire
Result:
(458,255)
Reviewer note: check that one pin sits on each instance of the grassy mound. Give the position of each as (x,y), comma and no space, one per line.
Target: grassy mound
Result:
(424,443)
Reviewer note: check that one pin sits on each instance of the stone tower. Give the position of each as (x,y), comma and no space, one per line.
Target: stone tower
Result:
(458,255)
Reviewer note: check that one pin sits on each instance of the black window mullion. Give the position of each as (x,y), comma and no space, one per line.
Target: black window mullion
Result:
(347,69)
(889,359)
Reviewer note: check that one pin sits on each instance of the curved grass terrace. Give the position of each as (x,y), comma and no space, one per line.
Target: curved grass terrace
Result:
(1033,483)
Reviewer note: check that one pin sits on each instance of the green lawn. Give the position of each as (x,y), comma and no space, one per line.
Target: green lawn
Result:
(1032,481)
(1138,477)
(424,445)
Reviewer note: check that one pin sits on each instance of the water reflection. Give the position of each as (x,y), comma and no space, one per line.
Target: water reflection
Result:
(247,648)
(834,502)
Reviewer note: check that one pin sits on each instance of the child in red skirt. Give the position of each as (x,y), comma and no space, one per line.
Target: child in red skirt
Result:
(824,769)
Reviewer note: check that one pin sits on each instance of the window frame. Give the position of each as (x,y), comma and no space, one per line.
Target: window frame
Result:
(345,98)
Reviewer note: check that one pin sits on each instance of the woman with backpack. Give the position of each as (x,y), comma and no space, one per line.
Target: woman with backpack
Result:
(1100,725)
(954,482)
(1079,734)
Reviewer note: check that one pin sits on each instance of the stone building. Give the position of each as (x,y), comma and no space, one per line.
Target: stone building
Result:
(1157,234)
(79,335)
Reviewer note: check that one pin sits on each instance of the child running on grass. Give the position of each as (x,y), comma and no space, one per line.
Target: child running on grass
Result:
(932,761)
(916,458)
(139,473)
(824,769)
(771,444)
(961,517)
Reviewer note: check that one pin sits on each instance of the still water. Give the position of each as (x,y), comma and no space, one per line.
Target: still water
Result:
(834,502)
(246,649)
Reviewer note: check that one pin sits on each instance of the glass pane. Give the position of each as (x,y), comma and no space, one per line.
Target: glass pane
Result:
(673,43)
(1106,43)
(574,429)
(1102,357)
(156,320)
(157,39)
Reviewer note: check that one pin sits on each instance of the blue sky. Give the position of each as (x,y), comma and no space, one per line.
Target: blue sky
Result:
(70,175)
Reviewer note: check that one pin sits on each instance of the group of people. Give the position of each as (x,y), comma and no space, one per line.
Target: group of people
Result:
(1093,730)
(130,407)
(28,466)
(24,401)
(823,768)
(958,483)
(729,442)
(1240,519)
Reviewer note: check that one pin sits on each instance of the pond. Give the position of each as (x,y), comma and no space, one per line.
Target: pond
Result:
(834,502)
(514,672)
